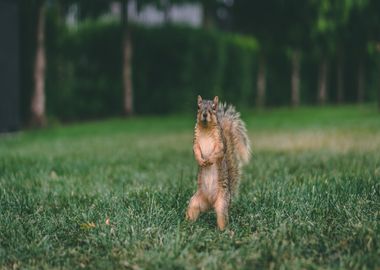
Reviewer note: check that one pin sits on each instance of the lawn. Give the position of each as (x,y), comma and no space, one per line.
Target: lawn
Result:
(113,194)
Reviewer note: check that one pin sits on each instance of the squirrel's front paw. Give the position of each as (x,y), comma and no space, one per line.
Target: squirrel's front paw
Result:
(210,161)
(204,162)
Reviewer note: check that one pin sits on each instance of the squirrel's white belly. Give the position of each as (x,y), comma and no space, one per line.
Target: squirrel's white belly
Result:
(207,146)
(209,174)
(209,178)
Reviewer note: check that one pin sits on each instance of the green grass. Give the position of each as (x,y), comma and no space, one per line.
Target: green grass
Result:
(309,199)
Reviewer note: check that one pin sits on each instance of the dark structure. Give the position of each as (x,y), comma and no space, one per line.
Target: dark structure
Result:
(9,66)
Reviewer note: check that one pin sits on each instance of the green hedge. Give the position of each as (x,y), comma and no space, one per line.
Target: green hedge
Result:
(171,66)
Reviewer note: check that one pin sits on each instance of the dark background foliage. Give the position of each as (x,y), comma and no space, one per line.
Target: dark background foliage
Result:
(172,64)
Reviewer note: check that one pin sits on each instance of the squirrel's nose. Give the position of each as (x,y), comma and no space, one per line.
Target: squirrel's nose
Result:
(204,115)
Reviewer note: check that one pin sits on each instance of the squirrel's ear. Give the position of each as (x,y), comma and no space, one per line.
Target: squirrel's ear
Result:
(216,101)
(199,100)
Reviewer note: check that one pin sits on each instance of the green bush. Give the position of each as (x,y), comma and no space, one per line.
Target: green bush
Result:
(87,75)
(171,66)
(240,70)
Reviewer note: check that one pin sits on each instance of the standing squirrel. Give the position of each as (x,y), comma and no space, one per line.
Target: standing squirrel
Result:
(221,147)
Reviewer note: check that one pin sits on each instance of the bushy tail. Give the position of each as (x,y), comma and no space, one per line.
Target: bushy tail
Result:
(234,127)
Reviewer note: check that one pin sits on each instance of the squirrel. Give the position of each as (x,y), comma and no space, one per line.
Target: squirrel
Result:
(221,147)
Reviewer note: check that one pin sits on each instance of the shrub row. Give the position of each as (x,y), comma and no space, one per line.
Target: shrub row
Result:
(171,66)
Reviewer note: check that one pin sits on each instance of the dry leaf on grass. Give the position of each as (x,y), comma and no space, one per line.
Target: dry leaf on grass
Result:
(53,175)
(88,225)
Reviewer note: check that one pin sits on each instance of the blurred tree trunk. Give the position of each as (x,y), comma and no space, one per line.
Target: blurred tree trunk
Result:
(322,81)
(295,81)
(340,79)
(166,10)
(261,82)
(207,21)
(378,81)
(378,95)
(361,80)
(127,61)
(38,118)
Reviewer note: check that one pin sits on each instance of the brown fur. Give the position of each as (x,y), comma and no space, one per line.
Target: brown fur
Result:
(221,147)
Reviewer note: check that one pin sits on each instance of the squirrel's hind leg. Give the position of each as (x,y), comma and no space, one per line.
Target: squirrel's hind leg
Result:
(221,208)
(197,204)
